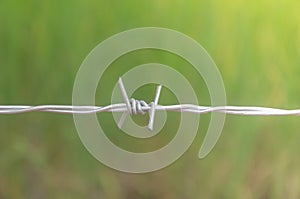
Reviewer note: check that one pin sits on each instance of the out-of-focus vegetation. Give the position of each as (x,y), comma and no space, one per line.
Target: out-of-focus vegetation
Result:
(256,45)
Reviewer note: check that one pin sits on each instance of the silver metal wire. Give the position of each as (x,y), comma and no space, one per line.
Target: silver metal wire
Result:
(134,106)
(235,110)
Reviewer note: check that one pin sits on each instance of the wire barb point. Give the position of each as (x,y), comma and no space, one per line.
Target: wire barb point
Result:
(136,106)
(153,107)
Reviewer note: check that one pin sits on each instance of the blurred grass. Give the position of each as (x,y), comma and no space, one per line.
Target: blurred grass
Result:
(256,45)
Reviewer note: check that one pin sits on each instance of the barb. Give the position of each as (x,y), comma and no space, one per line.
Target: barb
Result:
(153,105)
(134,106)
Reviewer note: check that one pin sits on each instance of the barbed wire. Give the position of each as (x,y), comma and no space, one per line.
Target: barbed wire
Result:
(133,107)
(235,110)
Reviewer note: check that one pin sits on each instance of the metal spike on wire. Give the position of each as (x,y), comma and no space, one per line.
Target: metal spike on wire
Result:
(134,106)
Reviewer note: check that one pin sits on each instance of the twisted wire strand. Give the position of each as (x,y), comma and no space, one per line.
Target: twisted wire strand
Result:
(142,108)
(133,107)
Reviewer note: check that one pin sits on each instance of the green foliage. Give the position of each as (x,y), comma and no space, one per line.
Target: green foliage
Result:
(255,45)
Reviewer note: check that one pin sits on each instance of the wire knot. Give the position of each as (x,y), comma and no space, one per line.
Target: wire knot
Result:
(138,106)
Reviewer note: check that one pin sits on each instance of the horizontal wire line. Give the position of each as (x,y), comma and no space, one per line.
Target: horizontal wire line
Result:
(122,107)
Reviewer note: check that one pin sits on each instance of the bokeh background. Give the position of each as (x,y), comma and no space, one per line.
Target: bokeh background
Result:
(256,45)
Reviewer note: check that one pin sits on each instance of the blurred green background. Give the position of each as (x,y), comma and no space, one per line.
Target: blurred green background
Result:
(256,45)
